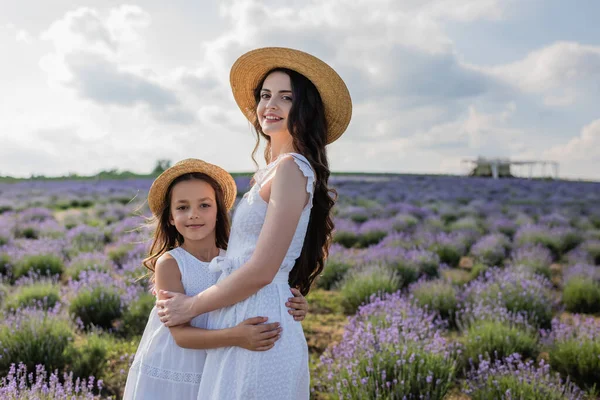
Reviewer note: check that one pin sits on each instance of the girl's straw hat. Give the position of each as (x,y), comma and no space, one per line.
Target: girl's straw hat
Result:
(251,68)
(158,190)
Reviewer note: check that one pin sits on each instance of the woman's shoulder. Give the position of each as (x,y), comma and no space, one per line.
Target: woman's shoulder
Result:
(294,166)
(296,161)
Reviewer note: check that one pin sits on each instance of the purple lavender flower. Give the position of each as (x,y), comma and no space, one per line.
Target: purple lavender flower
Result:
(491,249)
(517,290)
(574,348)
(21,383)
(390,335)
(511,378)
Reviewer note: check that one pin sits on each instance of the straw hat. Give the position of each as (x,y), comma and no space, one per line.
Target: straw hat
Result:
(158,190)
(251,68)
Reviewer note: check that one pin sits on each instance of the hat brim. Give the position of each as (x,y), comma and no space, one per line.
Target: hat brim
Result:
(248,71)
(158,191)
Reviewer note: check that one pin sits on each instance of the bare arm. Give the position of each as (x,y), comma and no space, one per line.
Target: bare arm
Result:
(287,200)
(250,334)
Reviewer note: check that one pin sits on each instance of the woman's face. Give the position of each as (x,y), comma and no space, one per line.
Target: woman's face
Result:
(275,103)
(194,210)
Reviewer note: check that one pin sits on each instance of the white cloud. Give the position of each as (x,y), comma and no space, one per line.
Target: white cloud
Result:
(23,36)
(127,98)
(91,56)
(561,72)
(580,156)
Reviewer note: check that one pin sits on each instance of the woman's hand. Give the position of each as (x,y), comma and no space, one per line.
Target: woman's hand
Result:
(298,305)
(253,334)
(175,308)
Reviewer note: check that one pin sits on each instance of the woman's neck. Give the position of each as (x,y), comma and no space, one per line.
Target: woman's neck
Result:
(204,250)
(279,147)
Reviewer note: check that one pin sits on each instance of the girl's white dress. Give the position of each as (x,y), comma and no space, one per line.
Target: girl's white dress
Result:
(280,373)
(161,369)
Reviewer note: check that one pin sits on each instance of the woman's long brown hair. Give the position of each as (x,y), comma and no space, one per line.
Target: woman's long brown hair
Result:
(308,127)
(166,236)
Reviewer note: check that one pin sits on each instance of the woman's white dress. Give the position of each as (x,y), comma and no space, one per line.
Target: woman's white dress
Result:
(161,369)
(280,373)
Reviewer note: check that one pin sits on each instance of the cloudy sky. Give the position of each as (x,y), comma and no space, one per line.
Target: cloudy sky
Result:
(91,85)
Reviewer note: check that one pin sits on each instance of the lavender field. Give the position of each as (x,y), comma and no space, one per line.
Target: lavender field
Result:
(435,288)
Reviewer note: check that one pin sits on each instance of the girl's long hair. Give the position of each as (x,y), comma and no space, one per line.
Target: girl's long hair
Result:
(308,127)
(166,236)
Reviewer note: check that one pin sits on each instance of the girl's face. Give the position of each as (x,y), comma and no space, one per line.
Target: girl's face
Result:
(275,104)
(194,210)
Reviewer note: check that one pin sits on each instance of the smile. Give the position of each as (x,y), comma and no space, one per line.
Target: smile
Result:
(272,118)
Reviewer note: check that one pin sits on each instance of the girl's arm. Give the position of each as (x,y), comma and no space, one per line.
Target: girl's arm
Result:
(287,200)
(251,334)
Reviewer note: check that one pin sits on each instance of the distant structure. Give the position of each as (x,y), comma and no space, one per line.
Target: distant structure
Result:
(501,167)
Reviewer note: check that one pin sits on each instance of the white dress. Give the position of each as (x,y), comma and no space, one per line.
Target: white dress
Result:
(280,373)
(161,369)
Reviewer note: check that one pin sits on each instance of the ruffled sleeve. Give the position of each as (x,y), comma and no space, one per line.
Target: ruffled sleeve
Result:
(307,171)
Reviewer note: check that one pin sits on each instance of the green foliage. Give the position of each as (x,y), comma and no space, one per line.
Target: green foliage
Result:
(324,302)
(37,338)
(358,287)
(104,357)
(362,240)
(3,240)
(135,317)
(5,263)
(345,238)
(119,254)
(497,339)
(26,232)
(161,166)
(512,296)
(89,357)
(41,294)
(466,224)
(77,267)
(577,358)
(405,222)
(99,307)
(3,293)
(448,253)
(496,387)
(439,296)
(478,269)
(581,295)
(119,359)
(407,272)
(383,377)
(370,238)
(334,272)
(359,218)
(41,264)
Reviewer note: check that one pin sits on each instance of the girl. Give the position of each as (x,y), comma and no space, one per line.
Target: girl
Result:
(281,229)
(190,202)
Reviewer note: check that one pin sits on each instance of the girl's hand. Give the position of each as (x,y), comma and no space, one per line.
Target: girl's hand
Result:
(175,308)
(298,305)
(253,335)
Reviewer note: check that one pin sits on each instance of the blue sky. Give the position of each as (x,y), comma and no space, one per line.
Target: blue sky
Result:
(92,85)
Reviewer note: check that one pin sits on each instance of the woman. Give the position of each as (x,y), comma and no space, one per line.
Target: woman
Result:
(281,229)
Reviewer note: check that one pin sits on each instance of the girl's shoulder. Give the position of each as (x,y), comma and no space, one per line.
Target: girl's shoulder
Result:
(166,263)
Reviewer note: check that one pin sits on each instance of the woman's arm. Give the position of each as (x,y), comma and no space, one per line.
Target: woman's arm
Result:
(287,200)
(251,334)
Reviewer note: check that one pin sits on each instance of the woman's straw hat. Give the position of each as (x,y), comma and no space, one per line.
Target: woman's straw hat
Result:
(158,190)
(248,71)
